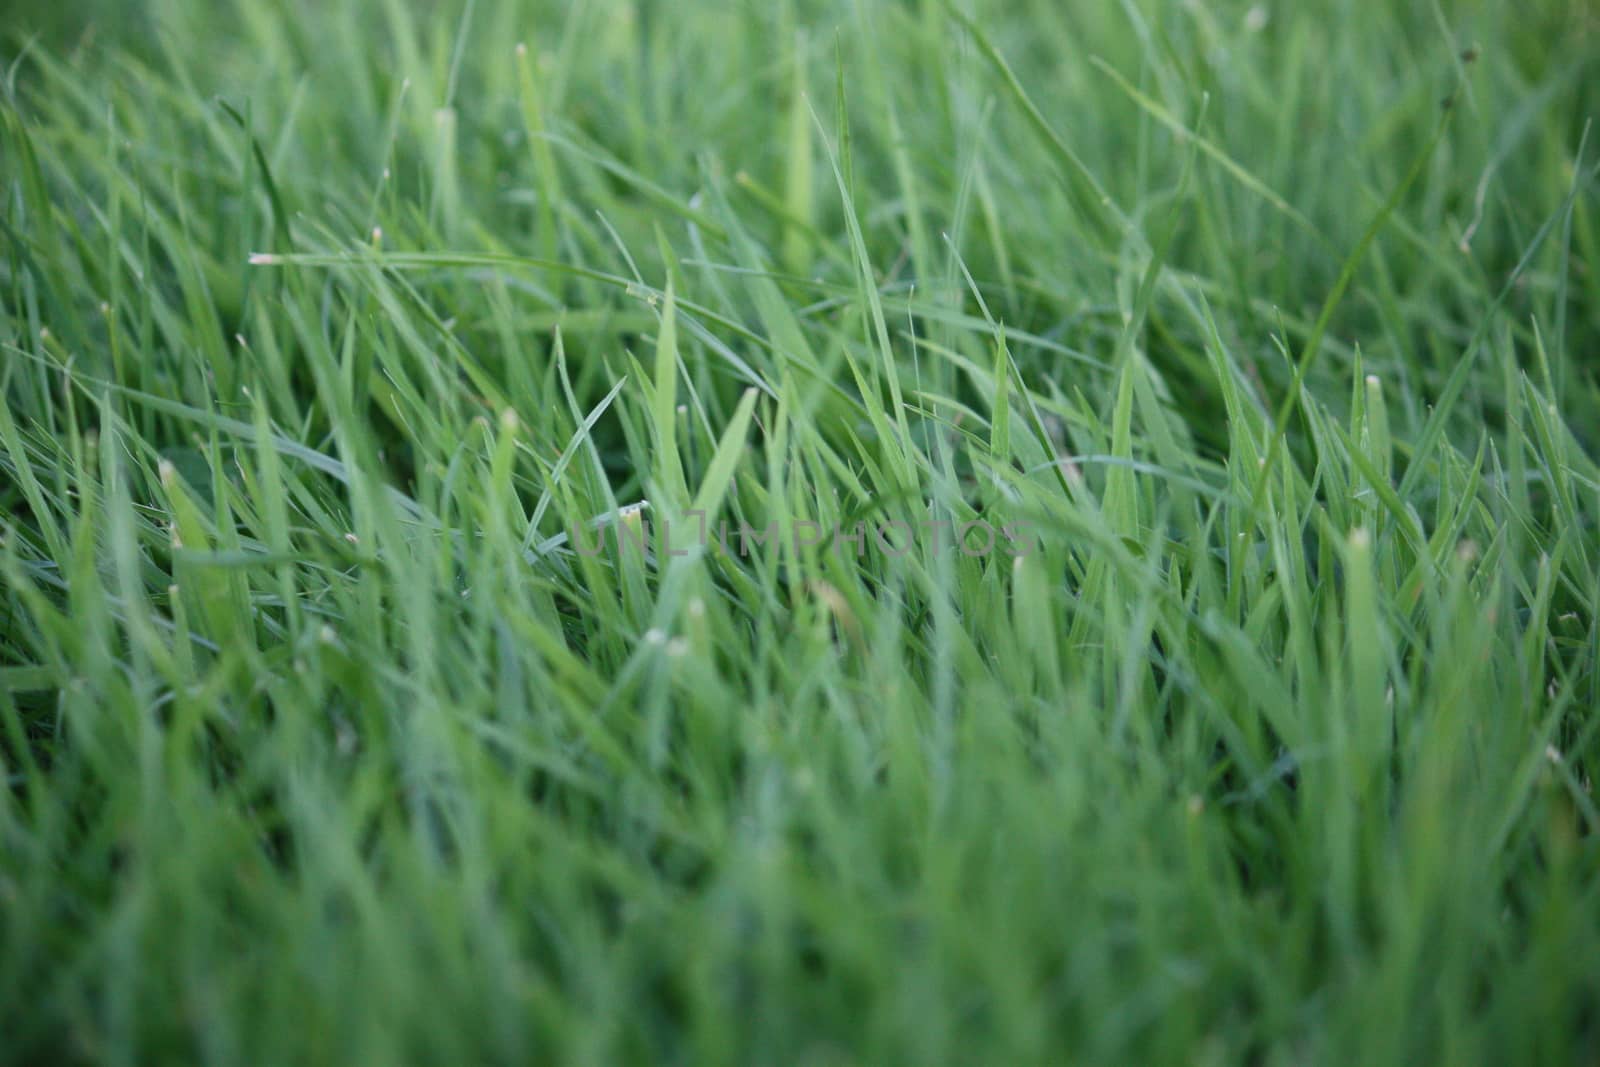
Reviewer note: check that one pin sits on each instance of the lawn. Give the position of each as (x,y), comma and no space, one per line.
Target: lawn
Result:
(799,532)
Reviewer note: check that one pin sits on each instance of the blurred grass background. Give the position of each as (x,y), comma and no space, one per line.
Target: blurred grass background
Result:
(310,758)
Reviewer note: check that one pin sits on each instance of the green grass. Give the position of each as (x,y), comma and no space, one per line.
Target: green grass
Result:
(321,324)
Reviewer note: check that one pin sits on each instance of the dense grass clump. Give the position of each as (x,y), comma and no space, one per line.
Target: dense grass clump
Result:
(1222,378)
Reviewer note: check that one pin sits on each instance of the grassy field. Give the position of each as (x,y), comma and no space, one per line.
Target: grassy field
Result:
(800,532)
